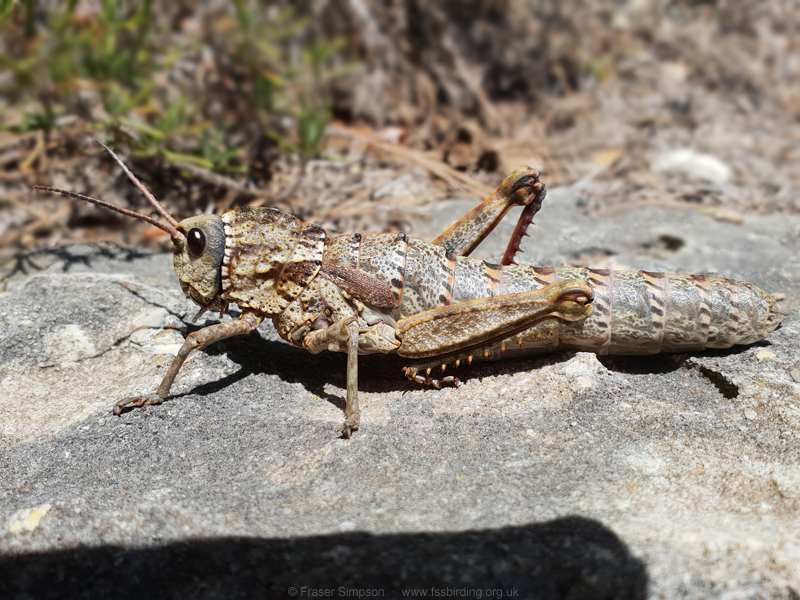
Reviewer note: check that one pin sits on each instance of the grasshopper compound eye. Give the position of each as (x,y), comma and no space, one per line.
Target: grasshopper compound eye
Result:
(196,241)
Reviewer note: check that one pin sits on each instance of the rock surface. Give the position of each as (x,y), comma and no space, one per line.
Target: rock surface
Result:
(563,476)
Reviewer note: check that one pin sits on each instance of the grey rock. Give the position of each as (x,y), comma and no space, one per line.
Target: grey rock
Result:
(567,475)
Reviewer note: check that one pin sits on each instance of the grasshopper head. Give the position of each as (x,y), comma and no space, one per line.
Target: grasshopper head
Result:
(197,257)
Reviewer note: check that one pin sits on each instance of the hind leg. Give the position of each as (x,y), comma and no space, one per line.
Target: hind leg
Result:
(454,332)
(521,188)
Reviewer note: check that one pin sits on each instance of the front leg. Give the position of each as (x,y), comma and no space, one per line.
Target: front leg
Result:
(521,188)
(194,341)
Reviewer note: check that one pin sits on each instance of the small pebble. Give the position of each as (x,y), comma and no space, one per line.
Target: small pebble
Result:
(795,373)
(762,354)
(28,519)
(750,414)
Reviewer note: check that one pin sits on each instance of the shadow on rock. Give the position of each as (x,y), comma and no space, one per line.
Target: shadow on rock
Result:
(382,373)
(643,365)
(258,355)
(571,558)
(667,362)
(27,262)
(377,372)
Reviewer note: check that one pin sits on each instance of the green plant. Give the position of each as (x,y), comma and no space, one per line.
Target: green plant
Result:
(6,6)
(112,66)
(110,54)
(285,81)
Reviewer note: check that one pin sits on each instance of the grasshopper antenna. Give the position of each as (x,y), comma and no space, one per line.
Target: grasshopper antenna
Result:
(139,185)
(170,228)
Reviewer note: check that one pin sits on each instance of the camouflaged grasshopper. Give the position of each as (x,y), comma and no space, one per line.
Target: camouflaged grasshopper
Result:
(430,302)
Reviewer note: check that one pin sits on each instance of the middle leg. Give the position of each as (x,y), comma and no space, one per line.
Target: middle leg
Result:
(331,338)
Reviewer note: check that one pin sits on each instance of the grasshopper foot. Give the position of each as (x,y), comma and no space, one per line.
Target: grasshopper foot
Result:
(137,402)
(351,423)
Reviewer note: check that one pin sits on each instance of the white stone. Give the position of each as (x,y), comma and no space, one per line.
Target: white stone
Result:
(28,519)
(694,165)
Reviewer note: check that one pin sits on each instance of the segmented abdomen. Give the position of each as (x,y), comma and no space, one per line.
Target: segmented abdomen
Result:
(640,312)
(635,312)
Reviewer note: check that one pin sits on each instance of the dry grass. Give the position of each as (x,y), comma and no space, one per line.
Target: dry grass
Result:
(443,98)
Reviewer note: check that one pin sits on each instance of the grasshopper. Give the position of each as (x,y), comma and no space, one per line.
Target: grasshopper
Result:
(429,302)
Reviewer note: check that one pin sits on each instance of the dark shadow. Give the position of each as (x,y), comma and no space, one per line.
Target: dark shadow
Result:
(382,373)
(29,261)
(667,362)
(571,558)
(724,385)
(377,372)
(257,355)
(644,365)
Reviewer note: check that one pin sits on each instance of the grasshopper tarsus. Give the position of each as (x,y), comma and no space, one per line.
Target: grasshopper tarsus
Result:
(437,382)
(351,424)
(136,402)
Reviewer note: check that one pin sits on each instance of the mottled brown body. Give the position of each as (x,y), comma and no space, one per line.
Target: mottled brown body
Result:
(384,281)
(387,277)
(430,302)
